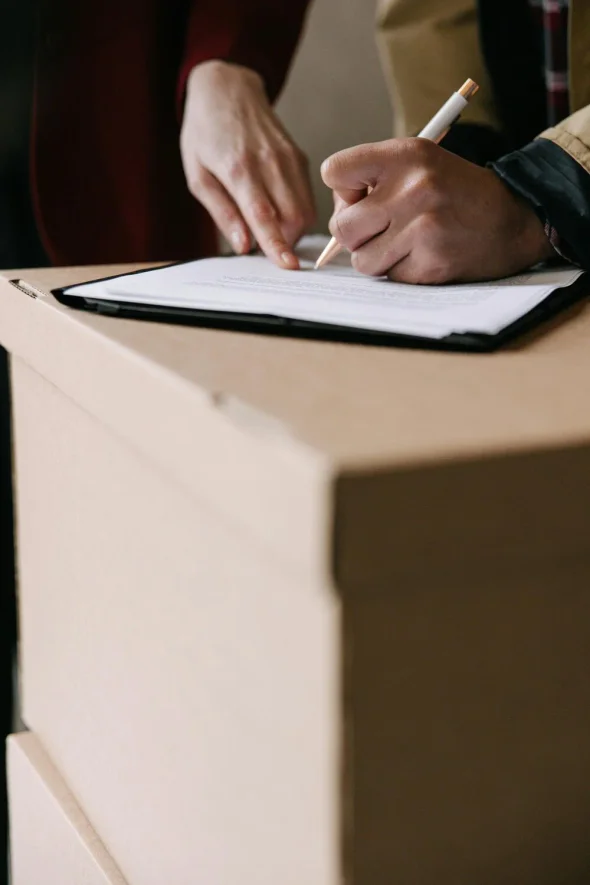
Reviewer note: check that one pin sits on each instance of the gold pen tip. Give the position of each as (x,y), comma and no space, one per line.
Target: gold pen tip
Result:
(468,89)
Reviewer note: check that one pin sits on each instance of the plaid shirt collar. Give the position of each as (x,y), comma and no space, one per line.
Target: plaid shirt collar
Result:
(551,18)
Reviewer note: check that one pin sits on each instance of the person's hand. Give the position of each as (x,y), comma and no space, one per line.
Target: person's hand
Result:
(241,164)
(430,217)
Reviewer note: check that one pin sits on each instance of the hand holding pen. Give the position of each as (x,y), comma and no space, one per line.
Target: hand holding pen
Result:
(420,214)
(435,131)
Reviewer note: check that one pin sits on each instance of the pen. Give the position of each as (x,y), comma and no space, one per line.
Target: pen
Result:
(435,131)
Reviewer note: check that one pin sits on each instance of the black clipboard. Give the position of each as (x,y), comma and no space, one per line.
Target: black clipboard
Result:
(476,342)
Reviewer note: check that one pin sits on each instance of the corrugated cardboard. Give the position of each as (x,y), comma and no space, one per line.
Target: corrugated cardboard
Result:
(306,611)
(165,641)
(51,840)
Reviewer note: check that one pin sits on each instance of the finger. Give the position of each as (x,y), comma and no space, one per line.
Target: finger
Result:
(288,185)
(303,188)
(245,185)
(407,270)
(376,257)
(423,267)
(295,170)
(222,209)
(355,169)
(264,222)
(341,203)
(356,225)
(426,257)
(348,197)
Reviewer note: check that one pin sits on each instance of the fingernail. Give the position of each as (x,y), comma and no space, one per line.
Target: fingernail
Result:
(290,260)
(237,241)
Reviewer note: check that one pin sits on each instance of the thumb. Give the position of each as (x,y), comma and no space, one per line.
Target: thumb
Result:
(349,173)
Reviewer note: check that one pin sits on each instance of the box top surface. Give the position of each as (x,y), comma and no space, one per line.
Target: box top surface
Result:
(350,462)
(367,406)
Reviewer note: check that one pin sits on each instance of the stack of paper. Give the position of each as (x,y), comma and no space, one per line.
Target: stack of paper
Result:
(336,295)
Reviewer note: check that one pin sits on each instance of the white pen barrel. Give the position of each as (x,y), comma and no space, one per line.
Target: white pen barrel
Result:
(445,118)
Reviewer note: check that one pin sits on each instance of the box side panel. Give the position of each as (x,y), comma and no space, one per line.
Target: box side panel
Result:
(470,740)
(204,436)
(52,842)
(457,519)
(181,678)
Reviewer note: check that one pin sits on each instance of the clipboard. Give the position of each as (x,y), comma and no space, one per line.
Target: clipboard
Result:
(554,304)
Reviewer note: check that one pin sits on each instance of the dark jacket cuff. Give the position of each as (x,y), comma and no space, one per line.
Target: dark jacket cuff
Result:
(558,189)
(474,142)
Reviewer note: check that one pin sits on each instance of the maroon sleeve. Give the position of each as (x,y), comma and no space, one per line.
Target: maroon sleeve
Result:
(259,34)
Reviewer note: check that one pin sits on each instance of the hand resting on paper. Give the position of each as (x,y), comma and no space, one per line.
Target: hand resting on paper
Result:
(241,164)
(430,217)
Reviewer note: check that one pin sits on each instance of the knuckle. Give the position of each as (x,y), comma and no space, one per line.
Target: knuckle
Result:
(226,215)
(239,166)
(420,150)
(425,189)
(267,155)
(274,154)
(263,212)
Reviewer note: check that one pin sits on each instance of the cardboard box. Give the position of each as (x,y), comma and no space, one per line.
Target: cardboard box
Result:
(51,840)
(303,612)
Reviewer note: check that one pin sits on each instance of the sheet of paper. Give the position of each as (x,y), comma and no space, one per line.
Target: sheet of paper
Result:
(335,295)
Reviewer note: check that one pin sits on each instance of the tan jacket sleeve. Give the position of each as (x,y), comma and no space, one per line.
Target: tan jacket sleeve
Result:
(428,49)
(573,135)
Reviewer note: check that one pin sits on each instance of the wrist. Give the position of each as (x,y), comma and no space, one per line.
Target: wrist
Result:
(217,71)
(536,241)
(528,235)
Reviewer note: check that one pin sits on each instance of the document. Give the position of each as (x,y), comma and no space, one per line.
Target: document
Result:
(336,295)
